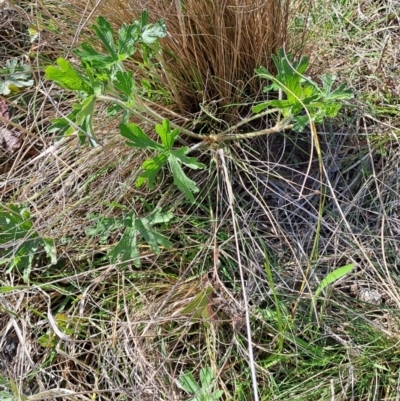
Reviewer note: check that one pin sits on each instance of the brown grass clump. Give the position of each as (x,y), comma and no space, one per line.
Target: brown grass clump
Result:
(212,47)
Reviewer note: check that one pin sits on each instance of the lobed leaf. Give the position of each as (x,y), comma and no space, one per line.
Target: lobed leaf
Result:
(126,249)
(151,33)
(86,109)
(198,306)
(105,33)
(17,76)
(138,138)
(151,168)
(260,107)
(167,137)
(206,378)
(89,55)
(189,384)
(124,82)
(50,249)
(84,118)
(158,217)
(181,180)
(64,124)
(67,77)
(19,240)
(191,162)
(301,93)
(152,237)
(128,35)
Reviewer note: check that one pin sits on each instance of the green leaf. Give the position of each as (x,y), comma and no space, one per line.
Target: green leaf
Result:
(260,107)
(14,221)
(189,384)
(125,83)
(94,80)
(328,110)
(104,227)
(16,392)
(183,182)
(206,379)
(282,104)
(327,82)
(152,237)
(191,162)
(126,249)
(301,93)
(341,93)
(158,217)
(88,132)
(89,55)
(105,33)
(128,35)
(114,110)
(64,124)
(300,67)
(151,33)
(332,277)
(167,137)
(4,396)
(84,118)
(200,303)
(51,251)
(19,240)
(138,138)
(4,382)
(151,168)
(86,109)
(144,17)
(16,76)
(300,123)
(66,76)
(216,395)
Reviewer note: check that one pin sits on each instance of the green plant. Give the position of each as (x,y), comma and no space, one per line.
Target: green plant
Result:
(103,77)
(332,277)
(17,76)
(127,247)
(9,390)
(305,100)
(202,391)
(165,154)
(19,239)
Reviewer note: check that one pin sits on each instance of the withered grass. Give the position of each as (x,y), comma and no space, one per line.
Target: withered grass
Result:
(131,337)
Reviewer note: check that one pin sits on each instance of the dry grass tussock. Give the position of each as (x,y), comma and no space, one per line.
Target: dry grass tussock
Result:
(267,227)
(213,47)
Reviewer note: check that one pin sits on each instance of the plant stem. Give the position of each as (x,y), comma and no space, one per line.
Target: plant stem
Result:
(223,136)
(281,126)
(150,112)
(247,120)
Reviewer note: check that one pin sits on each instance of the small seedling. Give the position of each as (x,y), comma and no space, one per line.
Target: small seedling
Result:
(204,390)
(16,76)
(19,241)
(127,248)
